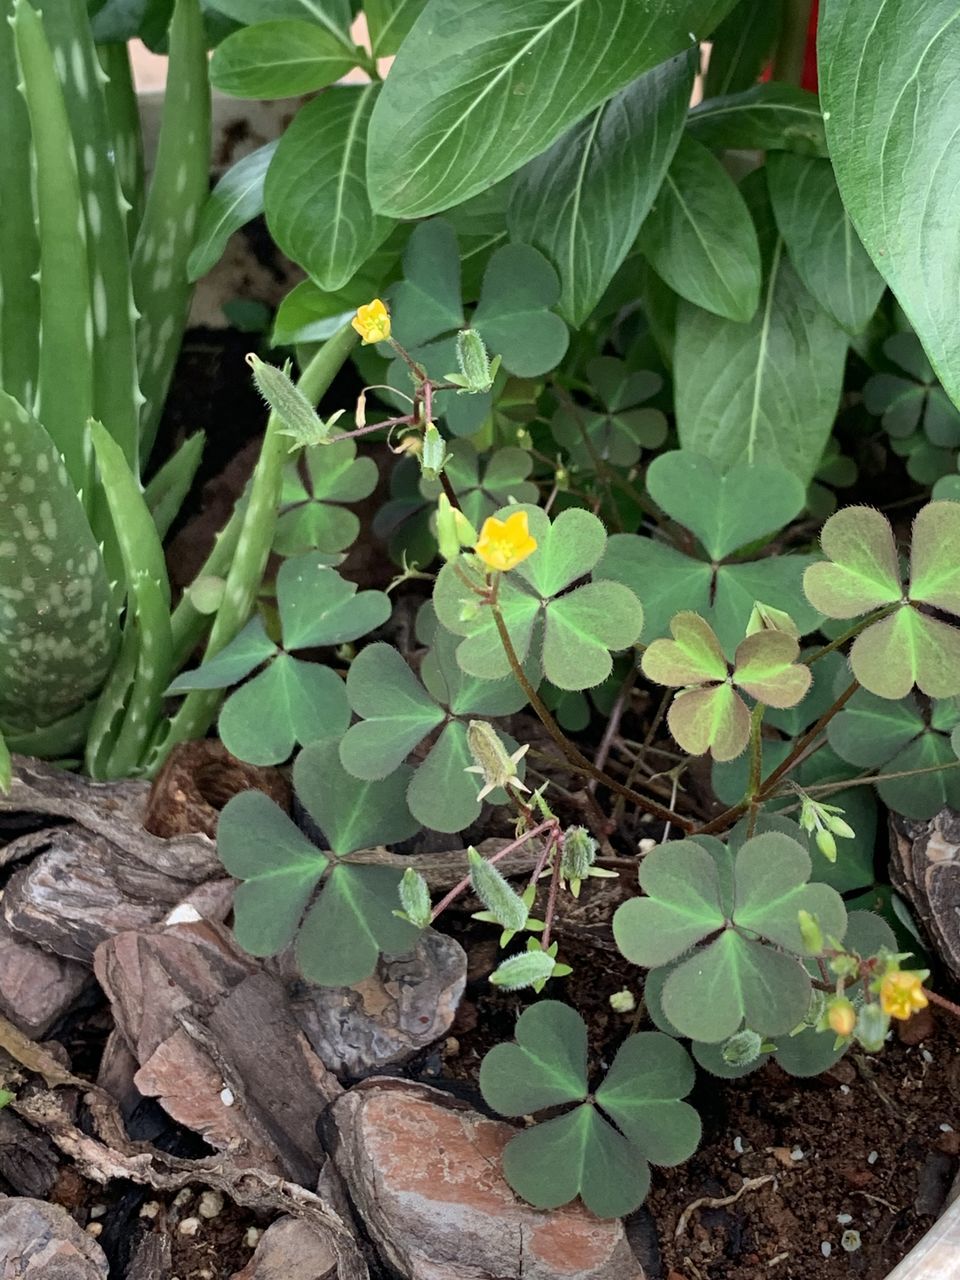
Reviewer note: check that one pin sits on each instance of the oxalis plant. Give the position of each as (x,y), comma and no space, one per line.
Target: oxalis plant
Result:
(604,338)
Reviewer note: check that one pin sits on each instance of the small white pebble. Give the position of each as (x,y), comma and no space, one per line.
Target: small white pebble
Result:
(926,1055)
(844,1219)
(873,1157)
(850,1241)
(796,1154)
(251,1237)
(189,1226)
(646,845)
(97,1211)
(844,1088)
(94,1228)
(150,1209)
(185,913)
(211,1204)
(826,1248)
(226,1097)
(738,1146)
(182,1197)
(946,1128)
(205,1274)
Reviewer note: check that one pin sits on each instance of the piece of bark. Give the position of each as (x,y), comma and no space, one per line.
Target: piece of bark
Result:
(28,1160)
(197,780)
(153,1259)
(290,1250)
(36,988)
(925,870)
(41,1241)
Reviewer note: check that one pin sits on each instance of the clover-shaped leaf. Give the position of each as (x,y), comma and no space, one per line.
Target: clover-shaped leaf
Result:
(729,513)
(352,921)
(712,716)
(908,646)
(581,1152)
(398,713)
(311,518)
(906,403)
(575,630)
(750,972)
(617,434)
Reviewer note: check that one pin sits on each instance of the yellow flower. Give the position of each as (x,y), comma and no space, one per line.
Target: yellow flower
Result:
(372,322)
(504,543)
(901,994)
(841,1016)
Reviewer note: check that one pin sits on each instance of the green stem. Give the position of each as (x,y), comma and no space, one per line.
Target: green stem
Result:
(850,634)
(575,757)
(253,546)
(792,46)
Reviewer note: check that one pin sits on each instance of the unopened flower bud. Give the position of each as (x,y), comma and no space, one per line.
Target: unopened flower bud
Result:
(872,1027)
(493,762)
(810,932)
(841,1016)
(623,1001)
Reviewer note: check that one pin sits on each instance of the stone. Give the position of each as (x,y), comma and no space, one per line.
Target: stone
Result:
(37,988)
(290,1249)
(407,1004)
(423,1172)
(40,1241)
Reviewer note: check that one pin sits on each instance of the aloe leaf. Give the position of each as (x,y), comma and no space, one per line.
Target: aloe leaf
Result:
(123,113)
(167,490)
(178,191)
(64,400)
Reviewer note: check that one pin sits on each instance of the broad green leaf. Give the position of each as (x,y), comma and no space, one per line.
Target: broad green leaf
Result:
(725,511)
(350,924)
(279,59)
(713,719)
(279,866)
(884,69)
(735,981)
(765,117)
(865,571)
(766,391)
(389,23)
(479,87)
(935,556)
(234,201)
(641,1093)
(567,548)
(289,702)
(820,239)
(581,627)
(426,302)
(550,1163)
(741,46)
(318,607)
(700,238)
(334,15)
(519,285)
(691,657)
(925,794)
(397,713)
(666,581)
(582,202)
(771,873)
(315,193)
(766,667)
(350,813)
(869,730)
(682,905)
(442,795)
(905,649)
(243,654)
(547,1065)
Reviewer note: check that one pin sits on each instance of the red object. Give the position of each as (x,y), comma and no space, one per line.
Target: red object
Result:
(809,80)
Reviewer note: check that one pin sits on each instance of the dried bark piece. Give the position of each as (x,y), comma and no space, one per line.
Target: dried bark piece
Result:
(925,870)
(28,1160)
(41,1241)
(36,988)
(290,1250)
(197,780)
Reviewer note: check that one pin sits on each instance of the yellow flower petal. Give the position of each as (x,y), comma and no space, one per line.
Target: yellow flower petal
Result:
(503,544)
(901,994)
(372,322)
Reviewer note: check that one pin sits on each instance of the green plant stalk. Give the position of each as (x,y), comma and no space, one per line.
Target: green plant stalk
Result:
(65,383)
(120,96)
(19,247)
(116,391)
(730,816)
(187,622)
(178,189)
(253,545)
(850,634)
(575,757)
(792,45)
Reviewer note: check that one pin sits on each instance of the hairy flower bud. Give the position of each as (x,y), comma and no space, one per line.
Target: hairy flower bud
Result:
(742,1049)
(493,762)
